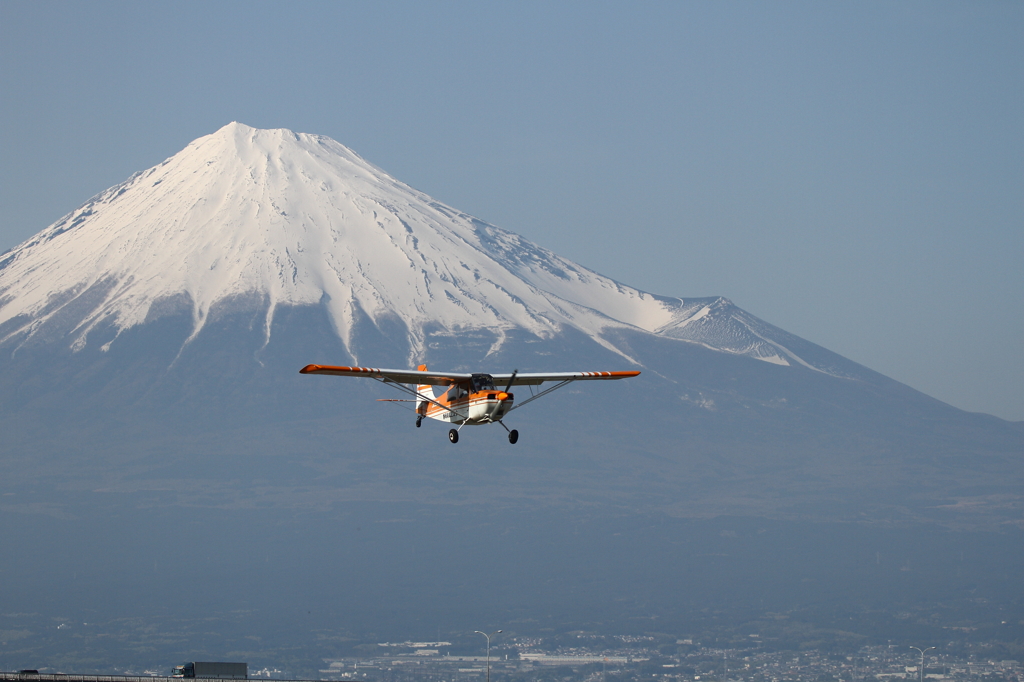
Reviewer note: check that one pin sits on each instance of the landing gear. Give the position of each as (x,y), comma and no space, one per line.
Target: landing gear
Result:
(453,435)
(513,435)
(419,421)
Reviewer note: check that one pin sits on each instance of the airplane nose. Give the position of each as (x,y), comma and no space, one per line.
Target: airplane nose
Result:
(504,396)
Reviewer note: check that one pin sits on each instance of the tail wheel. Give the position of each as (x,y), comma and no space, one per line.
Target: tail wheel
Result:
(453,435)
(513,436)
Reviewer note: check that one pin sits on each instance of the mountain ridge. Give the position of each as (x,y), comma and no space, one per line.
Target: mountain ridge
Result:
(721,389)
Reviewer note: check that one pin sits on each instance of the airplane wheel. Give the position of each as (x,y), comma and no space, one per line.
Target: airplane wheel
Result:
(419,421)
(513,436)
(453,435)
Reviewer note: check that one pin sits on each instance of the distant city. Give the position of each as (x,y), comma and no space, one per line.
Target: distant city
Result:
(645,658)
(638,658)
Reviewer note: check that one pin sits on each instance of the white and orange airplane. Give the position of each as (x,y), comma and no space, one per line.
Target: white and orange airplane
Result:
(469,398)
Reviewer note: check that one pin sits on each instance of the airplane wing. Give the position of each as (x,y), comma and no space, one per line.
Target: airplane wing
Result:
(524,379)
(562,379)
(398,376)
(412,376)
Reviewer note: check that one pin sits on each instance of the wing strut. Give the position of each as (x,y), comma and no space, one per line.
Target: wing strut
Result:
(541,394)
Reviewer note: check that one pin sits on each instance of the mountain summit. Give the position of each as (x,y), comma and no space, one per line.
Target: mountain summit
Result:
(248,219)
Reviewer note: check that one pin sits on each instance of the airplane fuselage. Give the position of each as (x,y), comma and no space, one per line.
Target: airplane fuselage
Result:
(480,407)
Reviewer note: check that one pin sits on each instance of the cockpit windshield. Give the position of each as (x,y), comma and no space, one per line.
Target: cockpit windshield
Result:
(483,382)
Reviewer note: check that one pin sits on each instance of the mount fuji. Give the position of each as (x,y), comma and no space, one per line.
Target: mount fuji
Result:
(156,429)
(249,219)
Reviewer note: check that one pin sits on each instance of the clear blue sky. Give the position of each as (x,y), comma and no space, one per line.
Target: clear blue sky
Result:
(853,173)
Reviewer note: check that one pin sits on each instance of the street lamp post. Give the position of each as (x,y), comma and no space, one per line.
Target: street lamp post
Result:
(489,650)
(922,658)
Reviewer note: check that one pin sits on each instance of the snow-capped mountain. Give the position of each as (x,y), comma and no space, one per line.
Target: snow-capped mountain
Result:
(260,219)
(159,445)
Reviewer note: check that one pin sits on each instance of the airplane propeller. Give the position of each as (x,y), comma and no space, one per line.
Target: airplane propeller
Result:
(511,379)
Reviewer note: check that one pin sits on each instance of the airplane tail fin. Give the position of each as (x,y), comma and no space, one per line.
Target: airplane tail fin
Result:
(424,394)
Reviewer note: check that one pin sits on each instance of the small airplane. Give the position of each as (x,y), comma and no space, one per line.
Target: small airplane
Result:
(470,398)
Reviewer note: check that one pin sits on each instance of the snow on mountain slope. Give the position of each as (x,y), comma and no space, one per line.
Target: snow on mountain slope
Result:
(278,218)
